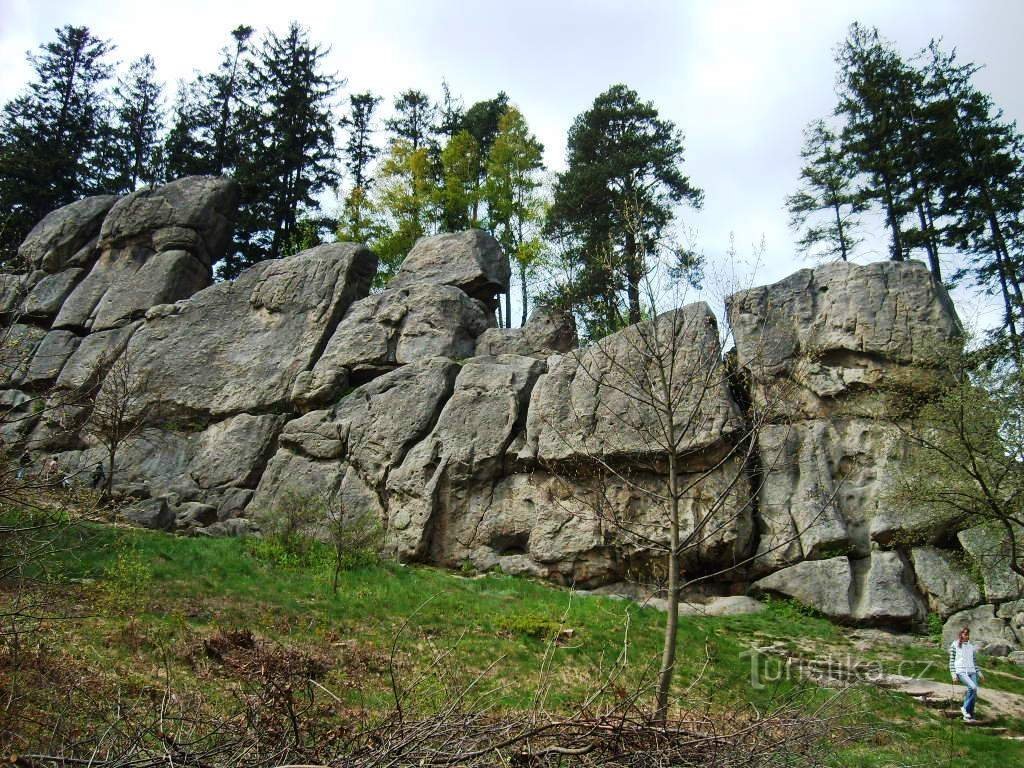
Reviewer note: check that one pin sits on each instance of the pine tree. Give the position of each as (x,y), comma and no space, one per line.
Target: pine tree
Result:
(450,113)
(287,155)
(413,120)
(51,135)
(611,206)
(514,208)
(828,195)
(139,121)
(223,90)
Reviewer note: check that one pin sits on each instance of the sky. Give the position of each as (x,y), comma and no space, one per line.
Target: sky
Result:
(741,79)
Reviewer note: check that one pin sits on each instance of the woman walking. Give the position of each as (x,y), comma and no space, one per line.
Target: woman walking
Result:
(963,667)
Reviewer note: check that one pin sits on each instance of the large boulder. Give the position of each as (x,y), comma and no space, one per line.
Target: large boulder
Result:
(237,347)
(393,328)
(547,332)
(156,246)
(821,584)
(195,214)
(988,631)
(946,580)
(988,548)
(464,451)
(359,440)
(66,237)
(839,329)
(599,401)
(471,260)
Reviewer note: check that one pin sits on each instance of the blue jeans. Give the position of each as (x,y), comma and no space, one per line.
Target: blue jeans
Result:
(970,679)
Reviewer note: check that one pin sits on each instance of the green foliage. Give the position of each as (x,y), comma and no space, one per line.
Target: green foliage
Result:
(529,625)
(458,196)
(139,110)
(53,135)
(935,624)
(613,204)
(827,197)
(127,581)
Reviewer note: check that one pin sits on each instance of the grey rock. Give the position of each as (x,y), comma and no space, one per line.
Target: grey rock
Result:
(467,446)
(986,628)
(50,356)
(19,416)
(94,355)
(161,279)
(193,514)
(57,242)
(360,439)
(18,345)
(988,548)
(839,328)
(237,527)
(883,591)
(13,290)
(394,328)
(47,297)
(547,332)
(238,347)
(592,402)
(1017,657)
(727,605)
(820,584)
(195,213)
(945,579)
(150,513)
(233,503)
(470,260)
(114,269)
(234,452)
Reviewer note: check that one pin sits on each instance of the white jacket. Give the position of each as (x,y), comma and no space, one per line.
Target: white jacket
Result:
(961,658)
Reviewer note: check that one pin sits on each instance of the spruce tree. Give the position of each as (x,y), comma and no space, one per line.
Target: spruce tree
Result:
(450,113)
(881,101)
(287,154)
(139,121)
(222,92)
(51,136)
(360,152)
(827,206)
(413,120)
(611,206)
(982,183)
(183,152)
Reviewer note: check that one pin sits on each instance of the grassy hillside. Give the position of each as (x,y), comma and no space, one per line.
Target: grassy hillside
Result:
(145,612)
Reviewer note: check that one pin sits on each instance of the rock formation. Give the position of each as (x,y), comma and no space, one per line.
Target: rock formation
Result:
(474,445)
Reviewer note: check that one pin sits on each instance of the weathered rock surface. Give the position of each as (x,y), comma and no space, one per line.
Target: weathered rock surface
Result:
(597,401)
(838,329)
(238,347)
(292,388)
(471,260)
(547,332)
(65,237)
(990,633)
(945,580)
(394,328)
(988,547)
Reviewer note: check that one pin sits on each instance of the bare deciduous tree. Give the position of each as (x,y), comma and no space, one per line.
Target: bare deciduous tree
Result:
(117,416)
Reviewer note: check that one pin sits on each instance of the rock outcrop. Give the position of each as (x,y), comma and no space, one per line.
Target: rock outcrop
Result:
(295,387)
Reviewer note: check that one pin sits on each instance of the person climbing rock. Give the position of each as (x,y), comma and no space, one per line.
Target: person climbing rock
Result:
(98,476)
(964,668)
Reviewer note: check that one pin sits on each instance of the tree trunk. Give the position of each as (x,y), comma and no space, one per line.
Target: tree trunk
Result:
(522,288)
(633,278)
(668,653)
(841,232)
(108,486)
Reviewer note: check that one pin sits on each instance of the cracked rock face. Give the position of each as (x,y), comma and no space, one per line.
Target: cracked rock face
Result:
(293,386)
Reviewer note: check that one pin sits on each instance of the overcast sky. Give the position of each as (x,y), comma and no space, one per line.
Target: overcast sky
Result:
(741,79)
